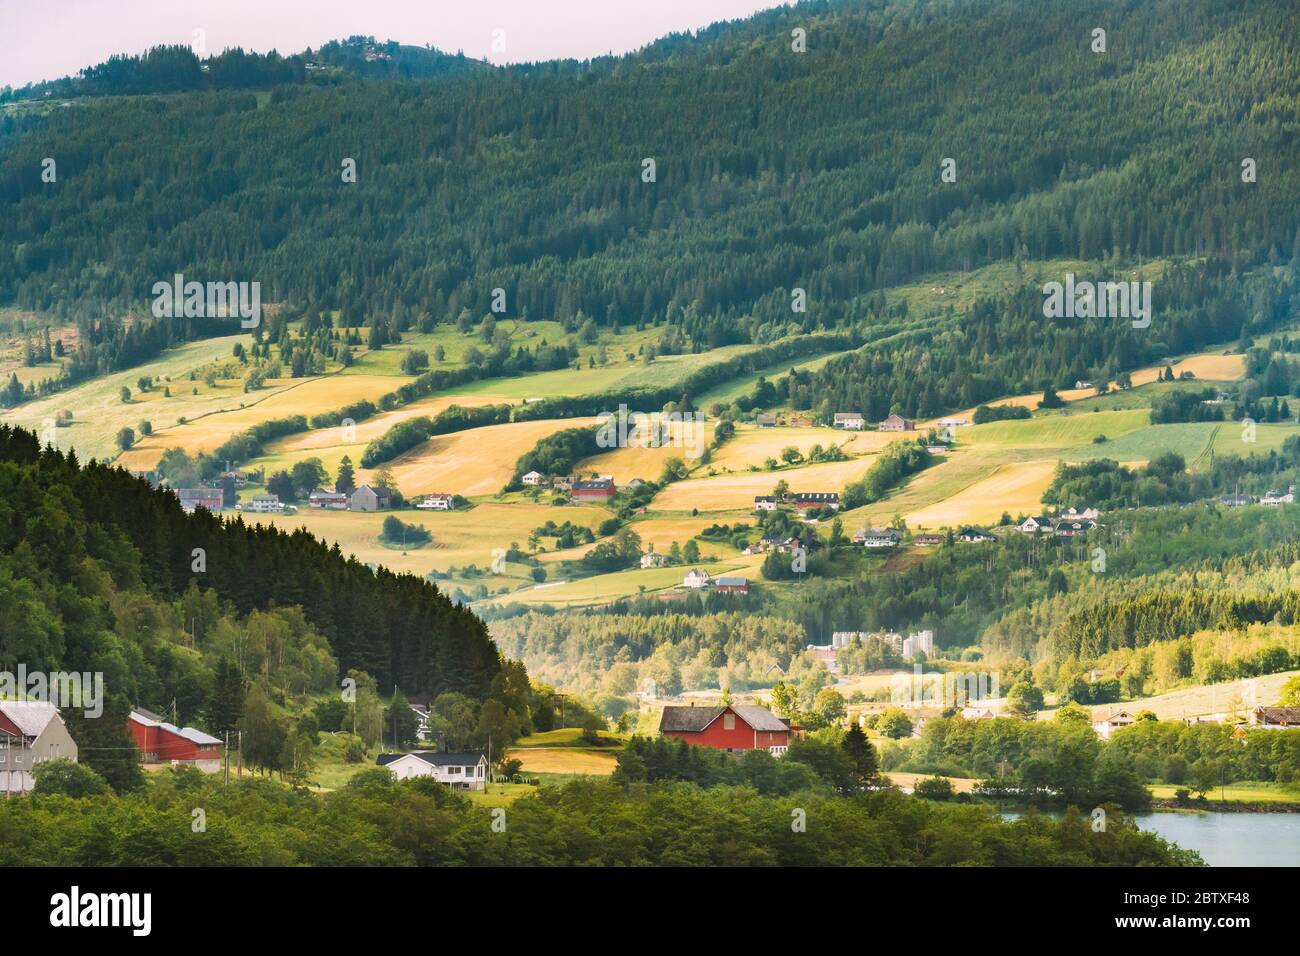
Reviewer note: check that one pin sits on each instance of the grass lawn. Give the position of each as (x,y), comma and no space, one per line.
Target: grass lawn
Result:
(1243,792)
(571,737)
(500,794)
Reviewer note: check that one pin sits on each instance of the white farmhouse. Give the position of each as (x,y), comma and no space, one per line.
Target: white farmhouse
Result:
(460,771)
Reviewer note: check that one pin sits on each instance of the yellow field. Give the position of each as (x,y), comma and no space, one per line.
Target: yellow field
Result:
(608,587)
(459,537)
(367,431)
(753,446)
(1017,488)
(300,397)
(99,412)
(565,760)
(477,461)
(737,491)
(648,463)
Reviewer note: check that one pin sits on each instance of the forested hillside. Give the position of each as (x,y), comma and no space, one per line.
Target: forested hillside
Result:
(99,572)
(773,169)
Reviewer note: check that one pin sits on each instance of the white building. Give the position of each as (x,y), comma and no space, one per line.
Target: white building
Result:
(437,503)
(920,641)
(1112,722)
(1278,497)
(653,559)
(31,732)
(265,504)
(696,578)
(764,503)
(534,478)
(460,771)
(852,421)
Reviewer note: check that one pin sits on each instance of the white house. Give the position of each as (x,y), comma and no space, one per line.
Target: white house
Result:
(764,503)
(533,478)
(975,536)
(1085,514)
(696,578)
(880,538)
(653,559)
(265,504)
(953,422)
(460,771)
(31,732)
(437,503)
(1112,722)
(1034,525)
(1278,498)
(852,421)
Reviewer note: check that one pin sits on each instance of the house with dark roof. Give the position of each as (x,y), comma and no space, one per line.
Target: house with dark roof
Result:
(816,499)
(897,423)
(460,771)
(731,583)
(367,498)
(599,490)
(732,728)
(975,536)
(1276,718)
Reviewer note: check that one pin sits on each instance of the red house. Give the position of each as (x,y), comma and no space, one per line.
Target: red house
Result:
(734,728)
(161,742)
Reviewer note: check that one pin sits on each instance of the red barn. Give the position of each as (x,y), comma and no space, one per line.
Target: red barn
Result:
(598,490)
(734,728)
(161,742)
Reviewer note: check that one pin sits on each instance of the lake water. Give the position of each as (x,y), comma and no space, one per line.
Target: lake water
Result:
(1232,839)
(1229,839)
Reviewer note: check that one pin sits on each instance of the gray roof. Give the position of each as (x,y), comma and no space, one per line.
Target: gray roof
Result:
(29,716)
(462,759)
(695,719)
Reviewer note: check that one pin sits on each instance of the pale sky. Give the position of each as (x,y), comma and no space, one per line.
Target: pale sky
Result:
(47,39)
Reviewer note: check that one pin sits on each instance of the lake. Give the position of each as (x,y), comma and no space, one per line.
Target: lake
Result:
(1228,839)
(1232,839)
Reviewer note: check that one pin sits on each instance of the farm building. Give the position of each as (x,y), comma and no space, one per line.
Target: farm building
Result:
(161,742)
(1275,718)
(764,503)
(334,500)
(735,728)
(853,421)
(192,498)
(599,490)
(437,503)
(765,420)
(928,540)
(460,771)
(367,498)
(897,423)
(816,499)
(31,732)
(731,583)
(534,478)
